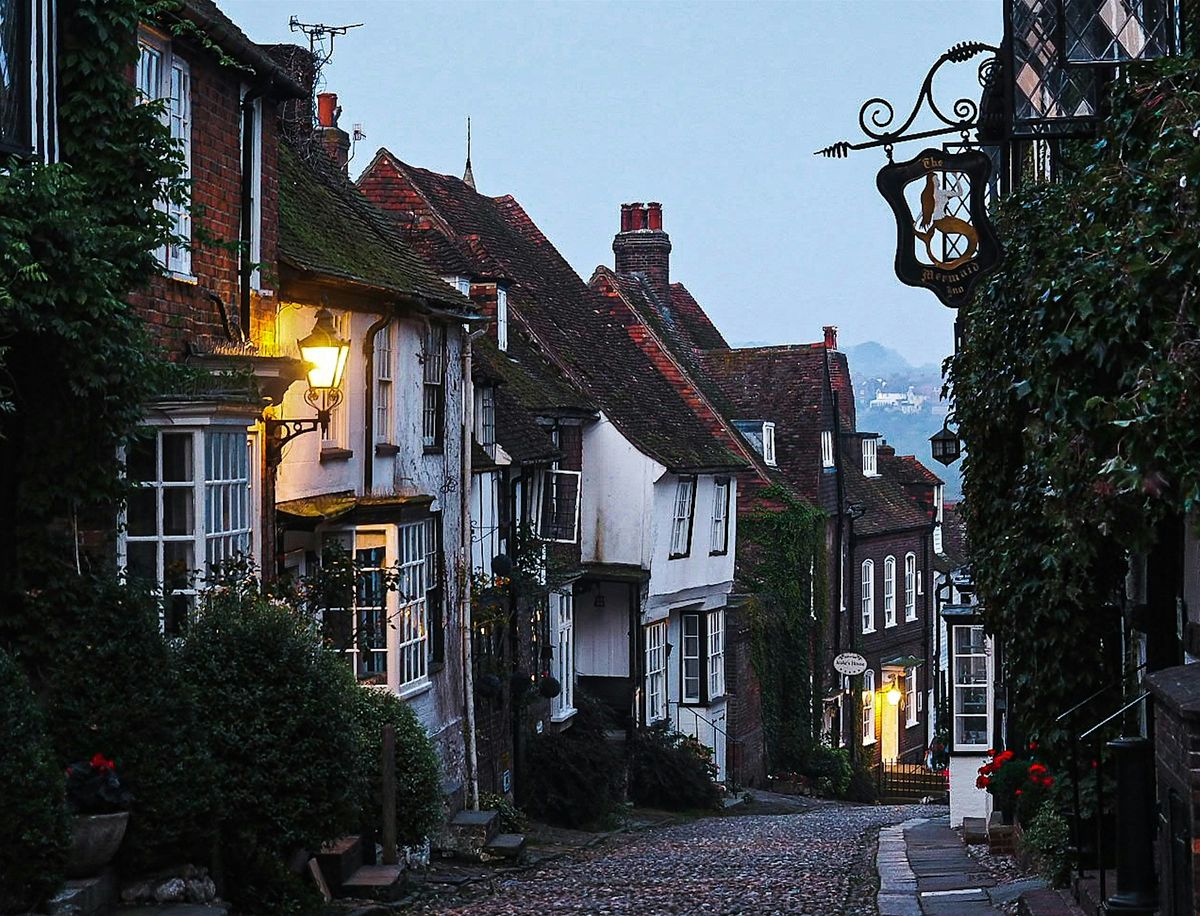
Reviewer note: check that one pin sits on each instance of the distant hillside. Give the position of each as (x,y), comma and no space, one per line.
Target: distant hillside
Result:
(874,359)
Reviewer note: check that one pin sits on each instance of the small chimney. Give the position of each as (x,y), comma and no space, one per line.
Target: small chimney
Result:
(830,337)
(642,247)
(335,140)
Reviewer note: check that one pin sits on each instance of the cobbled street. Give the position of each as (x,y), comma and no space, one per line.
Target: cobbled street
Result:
(818,862)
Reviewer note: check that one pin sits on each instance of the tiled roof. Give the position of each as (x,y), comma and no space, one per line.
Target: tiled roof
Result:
(518,432)
(887,507)
(327,227)
(588,337)
(530,378)
(695,321)
(231,40)
(954,537)
(907,469)
(786,386)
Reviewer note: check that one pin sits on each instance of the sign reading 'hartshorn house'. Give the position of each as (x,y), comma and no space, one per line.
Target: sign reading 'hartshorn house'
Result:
(944,240)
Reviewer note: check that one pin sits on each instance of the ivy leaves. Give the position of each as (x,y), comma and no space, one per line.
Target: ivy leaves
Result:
(1076,386)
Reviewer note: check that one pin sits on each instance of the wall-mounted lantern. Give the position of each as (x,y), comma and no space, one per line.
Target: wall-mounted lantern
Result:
(325,355)
(893,694)
(945,446)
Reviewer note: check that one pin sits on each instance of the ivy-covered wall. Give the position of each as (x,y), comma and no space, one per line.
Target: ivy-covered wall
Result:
(781,561)
(1077,386)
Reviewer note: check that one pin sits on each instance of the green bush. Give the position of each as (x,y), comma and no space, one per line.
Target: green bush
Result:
(1048,838)
(670,770)
(575,776)
(830,768)
(278,711)
(512,819)
(109,685)
(862,786)
(418,773)
(33,819)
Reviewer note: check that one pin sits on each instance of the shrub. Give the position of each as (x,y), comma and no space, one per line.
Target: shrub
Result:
(830,768)
(278,710)
(670,770)
(418,773)
(512,819)
(109,686)
(33,817)
(1048,837)
(1018,784)
(862,786)
(575,775)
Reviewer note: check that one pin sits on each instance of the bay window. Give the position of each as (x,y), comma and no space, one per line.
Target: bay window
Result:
(359,625)
(716,654)
(691,658)
(970,669)
(187,512)
(412,619)
(703,657)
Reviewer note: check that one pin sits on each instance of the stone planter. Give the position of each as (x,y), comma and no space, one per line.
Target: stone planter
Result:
(94,842)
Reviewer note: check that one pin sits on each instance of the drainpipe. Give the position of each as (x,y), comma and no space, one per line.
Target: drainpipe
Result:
(465,502)
(369,401)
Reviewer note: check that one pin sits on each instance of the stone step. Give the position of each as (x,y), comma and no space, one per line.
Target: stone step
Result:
(505,846)
(340,859)
(375,882)
(468,833)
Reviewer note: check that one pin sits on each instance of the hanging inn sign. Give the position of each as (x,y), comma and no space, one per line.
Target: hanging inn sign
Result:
(944,240)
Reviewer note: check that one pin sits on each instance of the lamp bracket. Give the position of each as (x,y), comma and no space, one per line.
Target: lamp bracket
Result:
(877,116)
(280,432)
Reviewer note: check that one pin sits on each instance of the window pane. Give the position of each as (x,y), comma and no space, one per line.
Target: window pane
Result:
(178,510)
(970,730)
(141,459)
(968,641)
(142,512)
(177,456)
(141,561)
(970,700)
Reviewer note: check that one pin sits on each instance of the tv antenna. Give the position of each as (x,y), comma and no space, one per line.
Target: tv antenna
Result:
(318,33)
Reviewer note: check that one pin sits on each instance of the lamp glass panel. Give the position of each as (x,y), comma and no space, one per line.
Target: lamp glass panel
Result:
(325,365)
(1118,31)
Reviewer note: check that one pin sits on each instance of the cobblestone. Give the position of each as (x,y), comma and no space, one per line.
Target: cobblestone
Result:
(816,863)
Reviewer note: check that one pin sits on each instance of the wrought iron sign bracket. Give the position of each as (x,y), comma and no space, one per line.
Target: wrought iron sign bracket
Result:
(280,432)
(877,115)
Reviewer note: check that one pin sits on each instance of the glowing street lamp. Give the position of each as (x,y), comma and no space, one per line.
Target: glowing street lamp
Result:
(893,694)
(325,355)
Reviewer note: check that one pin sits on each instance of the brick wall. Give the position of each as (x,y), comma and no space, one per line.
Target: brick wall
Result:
(177,310)
(1176,694)
(746,754)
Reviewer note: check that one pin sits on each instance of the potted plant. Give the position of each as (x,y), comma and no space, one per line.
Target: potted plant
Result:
(100,805)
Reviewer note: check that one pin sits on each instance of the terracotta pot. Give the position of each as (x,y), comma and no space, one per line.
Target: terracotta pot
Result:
(94,842)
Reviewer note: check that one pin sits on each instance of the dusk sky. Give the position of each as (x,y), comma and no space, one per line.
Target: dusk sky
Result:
(713,108)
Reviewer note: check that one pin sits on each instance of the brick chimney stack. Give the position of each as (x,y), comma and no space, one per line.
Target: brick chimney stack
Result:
(335,140)
(830,336)
(642,247)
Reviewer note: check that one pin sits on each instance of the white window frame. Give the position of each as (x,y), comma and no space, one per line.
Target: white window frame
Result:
(910,586)
(176,256)
(384,385)
(870,456)
(719,529)
(768,437)
(681,520)
(256,139)
(692,680)
(338,436)
(412,617)
(359,542)
(501,317)
(889,592)
(969,681)
(551,484)
(562,618)
(912,701)
(221,488)
(433,387)
(868,707)
(655,707)
(868,596)
(716,654)
(826,448)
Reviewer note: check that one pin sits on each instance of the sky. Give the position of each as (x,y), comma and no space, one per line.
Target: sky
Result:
(712,108)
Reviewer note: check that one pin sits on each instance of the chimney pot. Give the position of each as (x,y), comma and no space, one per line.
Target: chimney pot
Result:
(637,216)
(830,337)
(654,216)
(327,109)
(626,217)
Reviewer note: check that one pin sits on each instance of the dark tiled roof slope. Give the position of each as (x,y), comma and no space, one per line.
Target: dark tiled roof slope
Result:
(530,378)
(584,334)
(327,227)
(519,434)
(954,538)
(695,321)
(907,469)
(226,34)
(887,507)
(786,386)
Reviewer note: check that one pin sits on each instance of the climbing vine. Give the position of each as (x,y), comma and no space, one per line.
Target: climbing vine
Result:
(1077,387)
(782,551)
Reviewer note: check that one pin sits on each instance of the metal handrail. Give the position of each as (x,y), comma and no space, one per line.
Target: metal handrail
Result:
(1062,716)
(711,724)
(1124,709)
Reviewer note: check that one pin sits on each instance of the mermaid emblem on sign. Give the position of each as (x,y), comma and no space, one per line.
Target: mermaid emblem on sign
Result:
(944,241)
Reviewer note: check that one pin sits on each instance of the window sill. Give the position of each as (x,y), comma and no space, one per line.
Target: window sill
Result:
(178,277)
(867,632)
(433,449)
(867,742)
(564,715)
(719,553)
(912,724)
(386,450)
(336,454)
(888,626)
(908,619)
(679,556)
(414,689)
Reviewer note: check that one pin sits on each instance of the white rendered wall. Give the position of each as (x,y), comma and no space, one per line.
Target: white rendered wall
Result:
(617,524)
(602,633)
(965,799)
(700,568)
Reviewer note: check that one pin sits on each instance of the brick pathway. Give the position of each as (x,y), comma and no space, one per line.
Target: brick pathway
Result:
(819,863)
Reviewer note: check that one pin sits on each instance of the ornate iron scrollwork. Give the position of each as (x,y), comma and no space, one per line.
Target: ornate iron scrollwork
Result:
(877,116)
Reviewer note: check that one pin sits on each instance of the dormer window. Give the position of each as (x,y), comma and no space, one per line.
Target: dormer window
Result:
(502,317)
(768,443)
(462,284)
(827,449)
(870,454)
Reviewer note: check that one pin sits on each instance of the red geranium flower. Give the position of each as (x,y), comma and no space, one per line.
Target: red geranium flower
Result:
(1033,745)
(1048,781)
(100,762)
(1018,792)
(1038,769)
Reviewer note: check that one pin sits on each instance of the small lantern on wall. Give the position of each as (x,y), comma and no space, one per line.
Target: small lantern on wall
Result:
(945,446)
(325,355)
(893,693)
